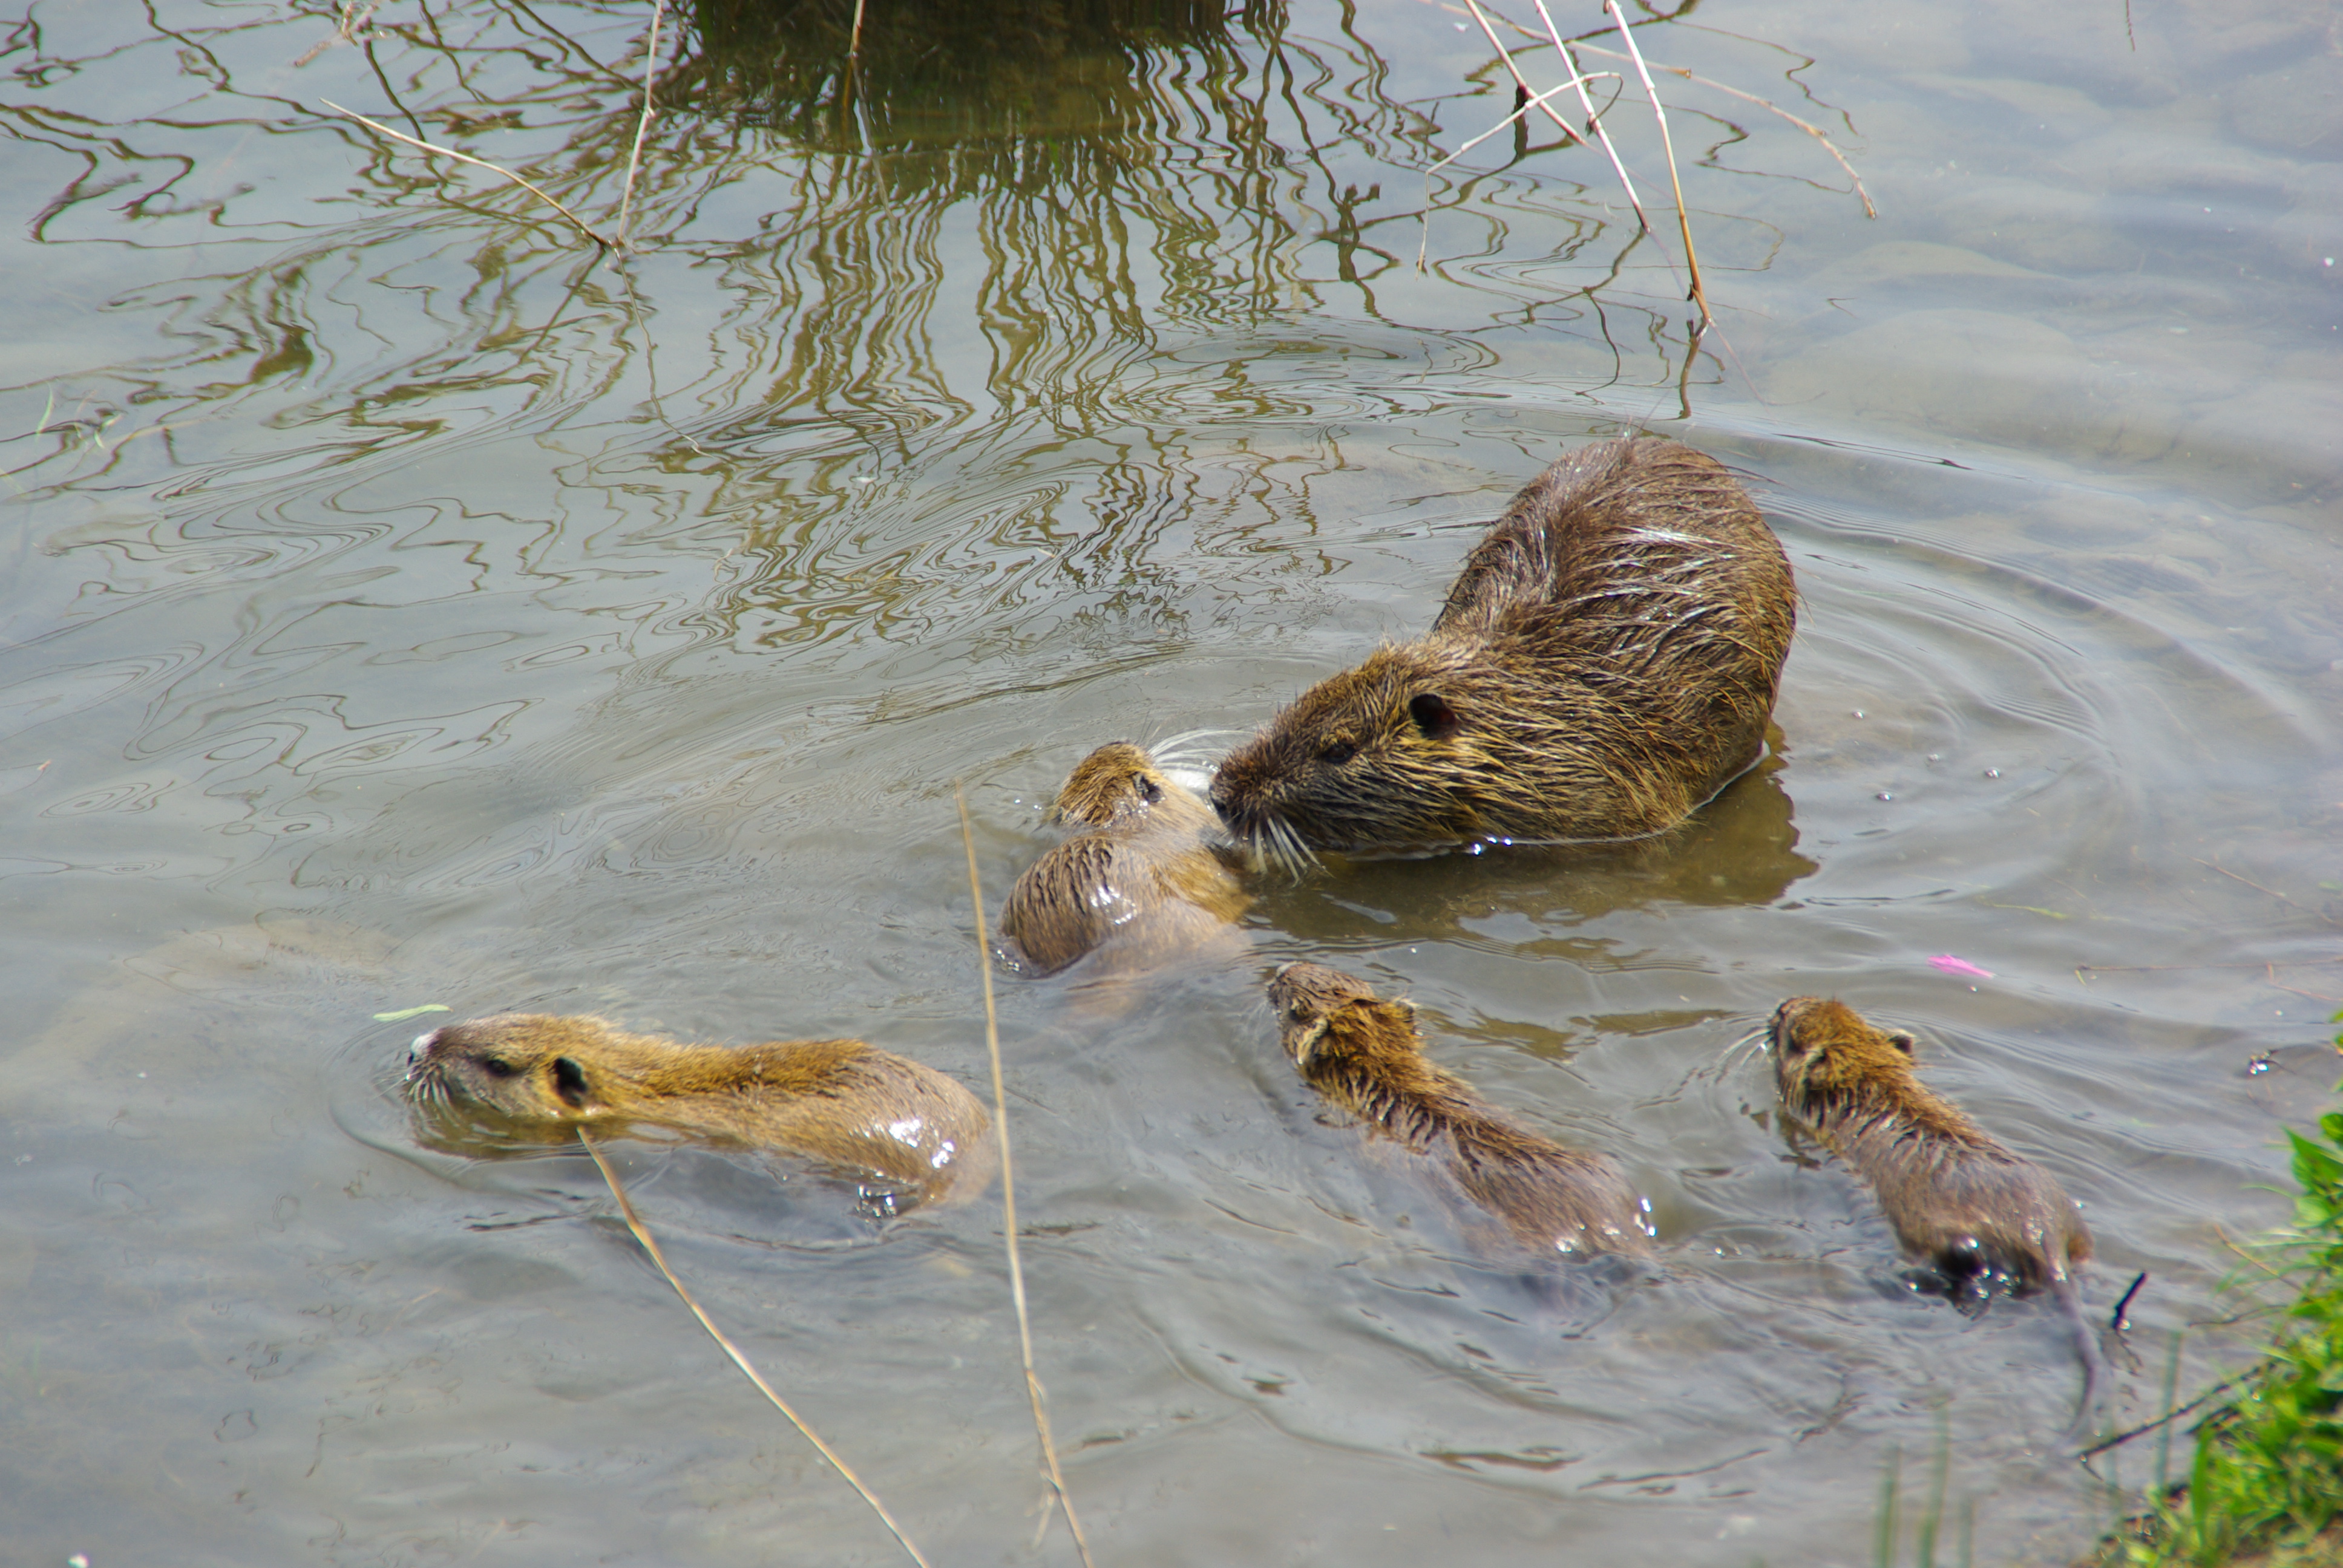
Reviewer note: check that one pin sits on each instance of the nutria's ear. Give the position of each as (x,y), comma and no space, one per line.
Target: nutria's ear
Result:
(1305,1045)
(569,1081)
(1901,1041)
(1433,714)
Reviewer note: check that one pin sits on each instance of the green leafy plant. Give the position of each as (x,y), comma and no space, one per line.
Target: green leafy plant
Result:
(2268,1477)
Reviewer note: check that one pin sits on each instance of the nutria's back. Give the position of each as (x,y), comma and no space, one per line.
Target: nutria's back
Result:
(1143,881)
(1367,1058)
(839,1100)
(1955,1197)
(1606,661)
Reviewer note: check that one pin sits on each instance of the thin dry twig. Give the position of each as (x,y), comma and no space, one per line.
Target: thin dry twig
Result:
(1667,146)
(1772,109)
(650,1245)
(355,15)
(581,224)
(1594,121)
(1765,104)
(2174,968)
(1009,1196)
(642,124)
(2257,886)
(1539,102)
(2168,1417)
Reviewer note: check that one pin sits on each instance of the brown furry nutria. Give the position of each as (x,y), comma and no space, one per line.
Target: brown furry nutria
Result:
(838,1101)
(1605,662)
(1143,881)
(1958,1200)
(1366,1056)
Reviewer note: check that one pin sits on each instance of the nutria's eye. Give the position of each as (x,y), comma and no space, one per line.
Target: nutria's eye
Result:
(1337,753)
(1150,790)
(1433,714)
(570,1080)
(498,1066)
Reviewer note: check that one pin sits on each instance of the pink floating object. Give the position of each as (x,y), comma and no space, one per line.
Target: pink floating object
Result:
(1953,965)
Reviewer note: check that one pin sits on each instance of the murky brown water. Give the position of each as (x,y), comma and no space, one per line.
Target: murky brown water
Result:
(404,607)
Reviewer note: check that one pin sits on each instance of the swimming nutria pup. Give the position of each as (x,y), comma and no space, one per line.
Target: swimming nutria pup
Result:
(1144,880)
(1366,1056)
(839,1100)
(1958,1200)
(1605,663)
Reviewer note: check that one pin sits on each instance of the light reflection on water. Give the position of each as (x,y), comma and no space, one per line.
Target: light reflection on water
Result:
(401,609)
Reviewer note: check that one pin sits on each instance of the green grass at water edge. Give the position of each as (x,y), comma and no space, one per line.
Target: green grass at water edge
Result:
(2266,1486)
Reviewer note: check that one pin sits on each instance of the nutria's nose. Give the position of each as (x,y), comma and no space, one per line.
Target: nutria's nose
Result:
(420,1046)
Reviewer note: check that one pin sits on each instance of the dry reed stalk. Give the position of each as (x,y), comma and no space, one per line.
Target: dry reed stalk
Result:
(1425,228)
(1667,146)
(1594,120)
(354,16)
(1806,126)
(1008,1199)
(376,125)
(643,124)
(650,1245)
(1767,105)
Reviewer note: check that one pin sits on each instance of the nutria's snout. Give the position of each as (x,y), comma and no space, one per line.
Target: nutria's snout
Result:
(418,1050)
(1781,1035)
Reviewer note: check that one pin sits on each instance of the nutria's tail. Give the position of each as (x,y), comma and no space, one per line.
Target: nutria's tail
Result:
(2094,1354)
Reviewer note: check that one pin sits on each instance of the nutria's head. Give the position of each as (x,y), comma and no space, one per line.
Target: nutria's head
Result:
(1825,1051)
(1387,753)
(1119,785)
(1308,998)
(525,1067)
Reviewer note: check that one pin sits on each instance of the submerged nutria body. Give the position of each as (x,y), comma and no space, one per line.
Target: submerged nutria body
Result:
(838,1101)
(1141,882)
(1606,660)
(1366,1056)
(1959,1202)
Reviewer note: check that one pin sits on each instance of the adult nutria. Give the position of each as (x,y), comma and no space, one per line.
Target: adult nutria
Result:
(1958,1200)
(1142,880)
(838,1101)
(1367,1058)
(1605,662)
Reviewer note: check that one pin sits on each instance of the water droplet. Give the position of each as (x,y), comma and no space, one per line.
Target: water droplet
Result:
(1855,712)
(1884,794)
(1993,772)
(1935,757)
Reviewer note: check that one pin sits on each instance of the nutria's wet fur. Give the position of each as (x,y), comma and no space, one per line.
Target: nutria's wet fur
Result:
(1958,1200)
(1142,880)
(1606,661)
(839,1100)
(1367,1058)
